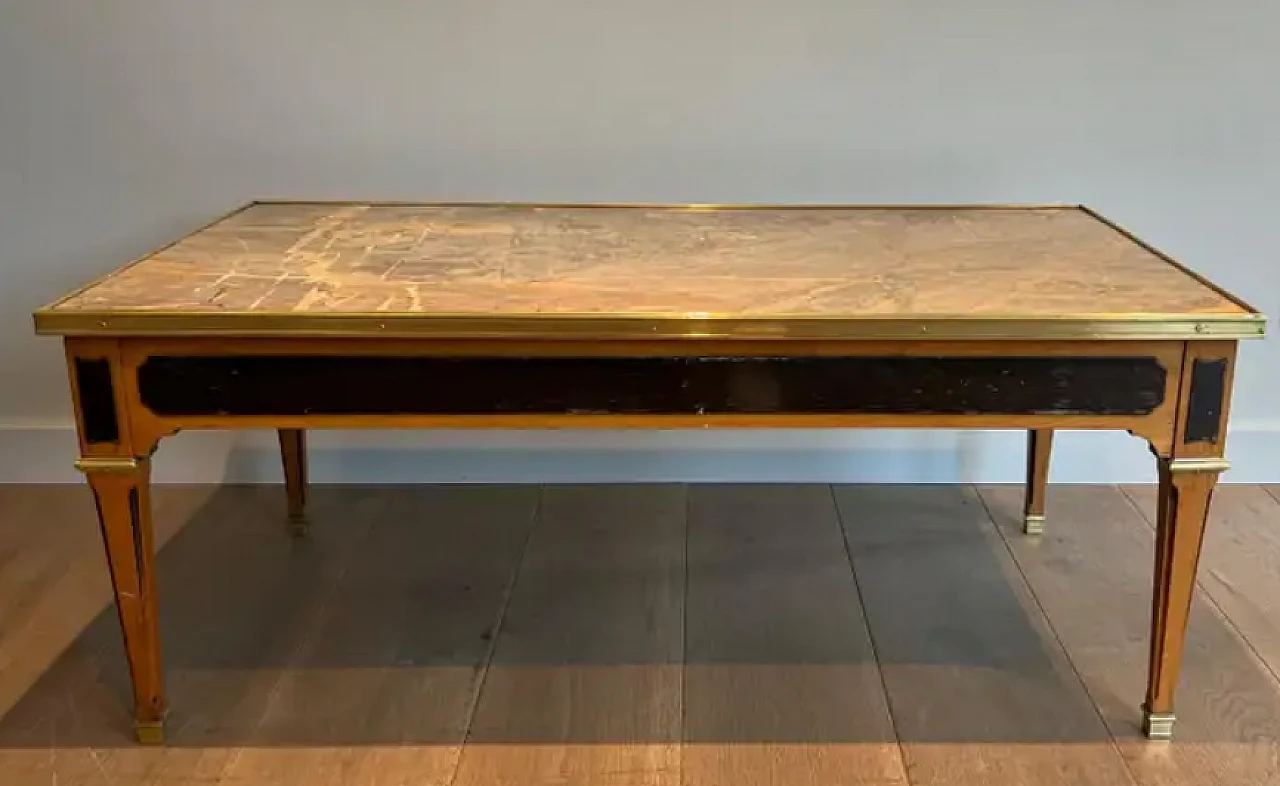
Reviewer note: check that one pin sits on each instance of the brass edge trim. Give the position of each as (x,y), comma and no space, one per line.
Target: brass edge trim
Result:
(646,326)
(107,464)
(677,205)
(144,257)
(1180,465)
(1171,261)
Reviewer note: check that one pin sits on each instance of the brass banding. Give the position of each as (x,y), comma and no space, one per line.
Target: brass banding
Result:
(655,326)
(1181,465)
(107,464)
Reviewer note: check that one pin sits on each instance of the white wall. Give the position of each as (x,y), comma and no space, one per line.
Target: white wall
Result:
(125,123)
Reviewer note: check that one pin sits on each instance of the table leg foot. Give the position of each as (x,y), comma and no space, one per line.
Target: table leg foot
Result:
(299,526)
(149,732)
(1033,524)
(1157,725)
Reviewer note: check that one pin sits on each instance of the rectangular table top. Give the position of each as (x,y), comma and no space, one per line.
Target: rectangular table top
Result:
(547,271)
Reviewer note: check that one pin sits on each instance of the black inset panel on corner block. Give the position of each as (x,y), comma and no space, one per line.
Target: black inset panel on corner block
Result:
(375,385)
(1207,398)
(97,397)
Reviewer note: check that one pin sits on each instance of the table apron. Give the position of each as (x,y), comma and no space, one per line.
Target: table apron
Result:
(273,385)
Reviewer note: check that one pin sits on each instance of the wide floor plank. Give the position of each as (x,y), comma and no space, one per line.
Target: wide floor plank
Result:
(382,690)
(585,683)
(980,689)
(1092,573)
(46,535)
(781,685)
(1273,490)
(42,527)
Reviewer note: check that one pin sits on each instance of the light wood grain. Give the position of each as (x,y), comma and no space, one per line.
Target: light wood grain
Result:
(53,585)
(980,689)
(1091,573)
(781,684)
(585,683)
(494,259)
(38,538)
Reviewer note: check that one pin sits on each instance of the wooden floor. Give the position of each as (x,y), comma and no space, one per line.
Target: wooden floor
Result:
(735,635)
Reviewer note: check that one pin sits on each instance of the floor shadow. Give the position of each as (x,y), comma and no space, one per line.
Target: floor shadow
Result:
(374,629)
(963,647)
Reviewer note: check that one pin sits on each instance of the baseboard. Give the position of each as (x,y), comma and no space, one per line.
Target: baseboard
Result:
(43,453)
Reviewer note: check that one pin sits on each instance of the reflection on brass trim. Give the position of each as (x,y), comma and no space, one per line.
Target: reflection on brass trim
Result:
(1157,725)
(1199,465)
(1033,524)
(107,464)
(646,326)
(676,206)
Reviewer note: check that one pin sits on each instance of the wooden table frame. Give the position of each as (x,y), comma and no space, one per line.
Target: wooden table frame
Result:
(132,391)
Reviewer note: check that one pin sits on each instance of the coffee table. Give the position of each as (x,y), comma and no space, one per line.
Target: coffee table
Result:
(306,315)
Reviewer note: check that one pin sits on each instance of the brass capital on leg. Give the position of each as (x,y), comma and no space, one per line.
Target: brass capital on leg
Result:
(1181,466)
(108,464)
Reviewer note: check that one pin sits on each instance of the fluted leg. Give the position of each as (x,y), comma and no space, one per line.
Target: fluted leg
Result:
(121,489)
(1186,488)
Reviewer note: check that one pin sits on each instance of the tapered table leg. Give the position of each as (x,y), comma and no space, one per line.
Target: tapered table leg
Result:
(1039,449)
(1186,488)
(293,453)
(121,490)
